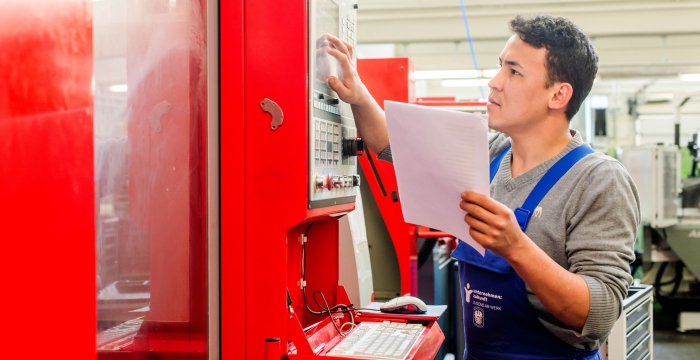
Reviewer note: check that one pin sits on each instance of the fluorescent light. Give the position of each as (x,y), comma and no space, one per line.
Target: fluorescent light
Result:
(446,74)
(690,77)
(489,73)
(454,74)
(118,88)
(465,83)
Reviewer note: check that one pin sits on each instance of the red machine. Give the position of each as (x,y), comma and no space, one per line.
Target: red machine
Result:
(106,170)
(46,183)
(276,175)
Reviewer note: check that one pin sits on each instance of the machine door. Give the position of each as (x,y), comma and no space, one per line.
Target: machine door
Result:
(151,202)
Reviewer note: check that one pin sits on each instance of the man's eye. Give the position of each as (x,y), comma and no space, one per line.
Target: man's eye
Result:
(514,72)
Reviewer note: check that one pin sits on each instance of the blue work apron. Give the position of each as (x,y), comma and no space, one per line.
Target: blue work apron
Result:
(499,322)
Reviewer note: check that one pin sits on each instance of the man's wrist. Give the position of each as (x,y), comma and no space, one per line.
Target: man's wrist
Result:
(521,250)
(365,99)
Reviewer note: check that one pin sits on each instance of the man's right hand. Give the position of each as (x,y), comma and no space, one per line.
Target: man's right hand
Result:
(369,116)
(349,87)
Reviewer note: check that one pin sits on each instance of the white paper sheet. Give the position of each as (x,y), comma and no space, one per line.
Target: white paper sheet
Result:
(437,154)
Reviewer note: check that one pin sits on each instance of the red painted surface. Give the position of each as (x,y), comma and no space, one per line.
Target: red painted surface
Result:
(389,79)
(265,187)
(232,155)
(46,179)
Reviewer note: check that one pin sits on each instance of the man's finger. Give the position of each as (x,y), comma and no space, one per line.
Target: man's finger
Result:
(476,224)
(342,60)
(478,212)
(479,237)
(484,201)
(351,49)
(338,86)
(340,45)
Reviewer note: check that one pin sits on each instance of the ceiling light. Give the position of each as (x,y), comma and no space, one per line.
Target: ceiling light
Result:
(118,88)
(465,83)
(454,74)
(690,77)
(489,73)
(446,74)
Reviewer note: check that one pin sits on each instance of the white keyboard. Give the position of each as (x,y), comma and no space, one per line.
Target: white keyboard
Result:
(385,340)
(120,336)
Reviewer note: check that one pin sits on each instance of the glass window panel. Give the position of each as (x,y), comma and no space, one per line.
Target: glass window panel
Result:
(150,210)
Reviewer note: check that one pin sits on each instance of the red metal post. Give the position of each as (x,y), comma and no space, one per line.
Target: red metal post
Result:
(46,179)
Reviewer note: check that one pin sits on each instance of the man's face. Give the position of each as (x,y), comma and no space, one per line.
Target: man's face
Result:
(519,97)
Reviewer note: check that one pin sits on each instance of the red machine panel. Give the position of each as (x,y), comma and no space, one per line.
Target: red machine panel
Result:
(272,237)
(46,179)
(391,79)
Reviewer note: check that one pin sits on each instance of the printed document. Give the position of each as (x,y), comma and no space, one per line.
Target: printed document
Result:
(438,154)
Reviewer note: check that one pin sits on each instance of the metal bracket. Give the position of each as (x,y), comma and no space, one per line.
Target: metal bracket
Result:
(273,109)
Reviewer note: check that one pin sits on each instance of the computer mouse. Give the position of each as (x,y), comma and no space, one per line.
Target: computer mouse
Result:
(404,305)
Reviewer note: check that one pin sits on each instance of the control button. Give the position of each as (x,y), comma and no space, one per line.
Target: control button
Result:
(336,129)
(353,147)
(337,181)
(355,180)
(332,101)
(329,182)
(319,182)
(349,24)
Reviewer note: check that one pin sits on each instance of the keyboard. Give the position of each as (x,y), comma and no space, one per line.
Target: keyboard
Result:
(120,336)
(385,340)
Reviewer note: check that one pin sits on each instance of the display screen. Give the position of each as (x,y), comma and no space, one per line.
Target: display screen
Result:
(327,22)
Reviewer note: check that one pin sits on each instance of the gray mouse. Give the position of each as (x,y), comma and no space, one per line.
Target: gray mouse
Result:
(404,305)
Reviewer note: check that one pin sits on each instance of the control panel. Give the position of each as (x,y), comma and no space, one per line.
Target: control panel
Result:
(333,141)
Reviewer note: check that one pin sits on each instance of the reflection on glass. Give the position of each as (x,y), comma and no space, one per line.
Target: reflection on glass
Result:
(150,178)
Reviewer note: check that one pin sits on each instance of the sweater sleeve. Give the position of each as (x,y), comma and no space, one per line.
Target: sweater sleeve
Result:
(386,154)
(600,247)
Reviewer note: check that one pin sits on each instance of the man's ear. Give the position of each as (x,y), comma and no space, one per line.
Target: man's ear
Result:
(561,96)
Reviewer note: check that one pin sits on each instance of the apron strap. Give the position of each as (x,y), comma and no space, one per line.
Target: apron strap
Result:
(496,163)
(545,184)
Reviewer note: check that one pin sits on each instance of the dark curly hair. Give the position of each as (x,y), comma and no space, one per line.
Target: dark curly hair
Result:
(570,55)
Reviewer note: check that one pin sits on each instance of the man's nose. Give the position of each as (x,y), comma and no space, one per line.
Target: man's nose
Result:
(496,83)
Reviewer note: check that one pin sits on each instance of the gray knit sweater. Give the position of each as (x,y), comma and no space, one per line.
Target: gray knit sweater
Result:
(588,225)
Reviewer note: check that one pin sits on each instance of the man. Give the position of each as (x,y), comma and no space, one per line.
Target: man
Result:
(551,286)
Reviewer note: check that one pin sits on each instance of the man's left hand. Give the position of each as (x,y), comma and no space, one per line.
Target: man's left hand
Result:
(492,224)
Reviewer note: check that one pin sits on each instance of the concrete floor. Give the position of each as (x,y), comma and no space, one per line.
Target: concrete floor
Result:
(670,344)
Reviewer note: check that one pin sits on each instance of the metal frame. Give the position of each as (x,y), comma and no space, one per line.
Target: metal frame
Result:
(213,181)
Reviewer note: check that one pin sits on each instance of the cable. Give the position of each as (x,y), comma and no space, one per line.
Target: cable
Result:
(471,47)
(677,278)
(337,309)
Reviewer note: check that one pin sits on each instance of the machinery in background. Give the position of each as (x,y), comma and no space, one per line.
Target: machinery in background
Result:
(671,218)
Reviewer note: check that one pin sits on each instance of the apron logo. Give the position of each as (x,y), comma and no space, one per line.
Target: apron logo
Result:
(478,317)
(468,293)
(538,212)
